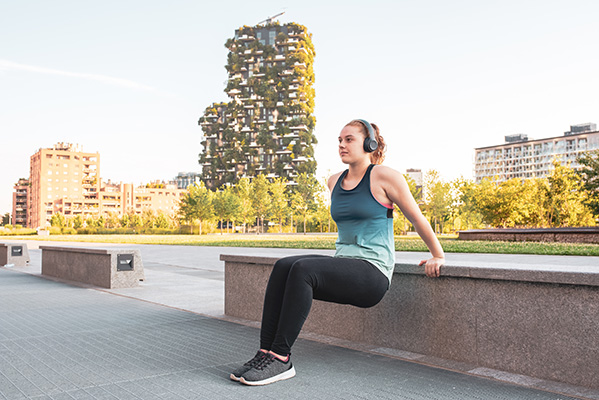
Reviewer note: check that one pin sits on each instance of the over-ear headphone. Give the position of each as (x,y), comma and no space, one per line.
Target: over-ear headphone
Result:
(370,143)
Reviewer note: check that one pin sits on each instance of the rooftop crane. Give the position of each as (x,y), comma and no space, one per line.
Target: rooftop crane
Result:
(270,19)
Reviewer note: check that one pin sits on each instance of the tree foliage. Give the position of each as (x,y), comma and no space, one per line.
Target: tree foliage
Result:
(196,205)
(589,174)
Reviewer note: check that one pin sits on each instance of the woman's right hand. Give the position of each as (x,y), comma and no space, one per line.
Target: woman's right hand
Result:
(432,266)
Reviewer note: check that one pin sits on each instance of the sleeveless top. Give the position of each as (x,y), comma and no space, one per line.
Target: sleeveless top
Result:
(365,225)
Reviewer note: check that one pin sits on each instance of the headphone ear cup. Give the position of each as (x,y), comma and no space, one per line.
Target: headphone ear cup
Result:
(370,145)
(373,145)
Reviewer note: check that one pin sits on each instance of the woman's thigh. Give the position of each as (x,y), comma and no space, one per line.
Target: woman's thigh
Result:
(342,280)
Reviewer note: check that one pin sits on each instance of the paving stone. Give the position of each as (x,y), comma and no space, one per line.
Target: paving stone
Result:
(64,342)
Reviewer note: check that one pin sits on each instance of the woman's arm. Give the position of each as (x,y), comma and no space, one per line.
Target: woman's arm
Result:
(397,190)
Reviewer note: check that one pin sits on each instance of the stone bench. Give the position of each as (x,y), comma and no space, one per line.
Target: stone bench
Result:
(537,323)
(14,254)
(109,268)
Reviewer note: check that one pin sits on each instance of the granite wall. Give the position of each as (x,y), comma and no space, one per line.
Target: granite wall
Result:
(541,324)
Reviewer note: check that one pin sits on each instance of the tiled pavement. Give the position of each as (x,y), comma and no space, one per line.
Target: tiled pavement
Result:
(59,341)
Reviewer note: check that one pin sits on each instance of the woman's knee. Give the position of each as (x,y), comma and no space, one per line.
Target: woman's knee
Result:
(283,264)
(303,271)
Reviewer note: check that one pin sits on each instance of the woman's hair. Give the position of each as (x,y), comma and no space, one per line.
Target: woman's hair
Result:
(377,156)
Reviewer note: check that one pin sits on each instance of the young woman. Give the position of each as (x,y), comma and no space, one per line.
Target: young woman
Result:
(359,274)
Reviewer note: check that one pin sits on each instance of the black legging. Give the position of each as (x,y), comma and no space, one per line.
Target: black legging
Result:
(296,280)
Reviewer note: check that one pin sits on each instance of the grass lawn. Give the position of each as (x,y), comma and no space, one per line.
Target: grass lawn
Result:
(326,241)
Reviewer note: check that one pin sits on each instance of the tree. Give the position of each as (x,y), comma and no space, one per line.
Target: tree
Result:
(261,199)
(124,221)
(226,206)
(196,204)
(77,221)
(499,204)
(400,223)
(437,199)
(243,190)
(463,212)
(6,219)
(302,199)
(531,203)
(148,217)
(162,221)
(279,202)
(112,220)
(322,212)
(590,179)
(566,198)
(58,220)
(135,220)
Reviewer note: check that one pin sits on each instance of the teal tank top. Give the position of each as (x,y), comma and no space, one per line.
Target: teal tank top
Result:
(365,225)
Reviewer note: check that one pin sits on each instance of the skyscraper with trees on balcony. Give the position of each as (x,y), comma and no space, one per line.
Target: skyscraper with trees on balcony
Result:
(266,127)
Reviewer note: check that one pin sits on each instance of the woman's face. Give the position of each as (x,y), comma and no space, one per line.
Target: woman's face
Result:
(351,144)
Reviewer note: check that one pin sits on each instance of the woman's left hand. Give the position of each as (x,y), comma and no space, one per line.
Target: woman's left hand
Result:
(432,266)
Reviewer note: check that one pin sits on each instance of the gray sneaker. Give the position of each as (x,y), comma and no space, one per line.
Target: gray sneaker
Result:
(270,369)
(236,375)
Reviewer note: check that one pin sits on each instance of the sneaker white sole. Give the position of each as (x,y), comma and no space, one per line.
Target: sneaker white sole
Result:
(234,378)
(281,377)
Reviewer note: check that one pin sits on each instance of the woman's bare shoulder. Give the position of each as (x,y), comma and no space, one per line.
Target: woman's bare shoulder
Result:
(333,180)
(384,172)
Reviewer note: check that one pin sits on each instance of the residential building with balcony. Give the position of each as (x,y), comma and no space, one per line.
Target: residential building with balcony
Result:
(64,179)
(20,201)
(124,198)
(266,127)
(521,157)
(60,175)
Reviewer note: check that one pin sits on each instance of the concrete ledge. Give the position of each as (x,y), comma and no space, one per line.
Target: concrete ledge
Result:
(14,254)
(532,322)
(97,267)
(563,235)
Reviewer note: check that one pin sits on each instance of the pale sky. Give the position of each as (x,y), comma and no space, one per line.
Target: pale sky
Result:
(130,78)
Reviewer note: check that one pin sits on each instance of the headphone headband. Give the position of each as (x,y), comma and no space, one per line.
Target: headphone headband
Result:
(370,143)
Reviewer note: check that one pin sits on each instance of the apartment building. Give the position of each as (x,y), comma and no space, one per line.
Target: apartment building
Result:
(124,198)
(63,179)
(184,179)
(20,201)
(521,157)
(267,126)
(417,176)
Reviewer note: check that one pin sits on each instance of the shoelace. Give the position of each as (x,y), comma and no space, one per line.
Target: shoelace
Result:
(265,362)
(256,360)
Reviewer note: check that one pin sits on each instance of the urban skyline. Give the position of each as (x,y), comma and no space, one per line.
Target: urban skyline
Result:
(439,79)
(65,180)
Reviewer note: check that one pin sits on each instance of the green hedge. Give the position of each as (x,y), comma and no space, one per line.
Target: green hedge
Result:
(17,232)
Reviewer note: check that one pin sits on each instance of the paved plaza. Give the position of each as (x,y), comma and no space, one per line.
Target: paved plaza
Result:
(168,339)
